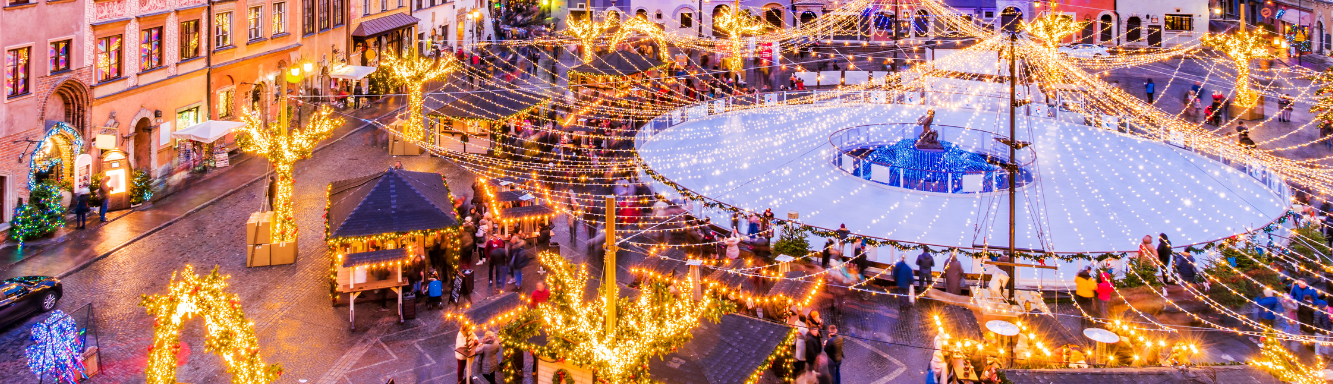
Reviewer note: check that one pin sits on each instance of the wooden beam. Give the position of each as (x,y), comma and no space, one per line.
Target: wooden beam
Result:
(1008,264)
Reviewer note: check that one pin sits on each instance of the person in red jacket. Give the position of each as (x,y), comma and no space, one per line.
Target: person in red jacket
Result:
(1104,290)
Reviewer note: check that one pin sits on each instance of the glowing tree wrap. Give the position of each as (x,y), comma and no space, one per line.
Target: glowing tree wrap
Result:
(737,23)
(1285,366)
(56,349)
(1051,29)
(416,71)
(283,148)
(231,335)
(1323,107)
(587,31)
(1241,46)
(654,324)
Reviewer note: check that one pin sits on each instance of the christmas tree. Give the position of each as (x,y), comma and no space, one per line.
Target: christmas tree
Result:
(1285,366)
(41,215)
(1324,106)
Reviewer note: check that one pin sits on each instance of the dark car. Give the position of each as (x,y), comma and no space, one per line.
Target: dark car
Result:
(27,295)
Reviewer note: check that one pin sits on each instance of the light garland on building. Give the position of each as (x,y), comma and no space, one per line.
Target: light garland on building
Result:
(230,335)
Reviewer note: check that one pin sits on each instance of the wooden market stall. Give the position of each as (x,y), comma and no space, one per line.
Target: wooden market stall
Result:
(464,120)
(392,210)
(369,271)
(736,349)
(617,70)
(517,210)
(1046,343)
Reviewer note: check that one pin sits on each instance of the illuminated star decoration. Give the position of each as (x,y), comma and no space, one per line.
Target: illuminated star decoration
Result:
(737,24)
(57,349)
(652,325)
(1241,46)
(231,335)
(415,71)
(283,149)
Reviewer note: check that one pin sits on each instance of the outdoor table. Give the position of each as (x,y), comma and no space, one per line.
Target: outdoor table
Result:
(1102,337)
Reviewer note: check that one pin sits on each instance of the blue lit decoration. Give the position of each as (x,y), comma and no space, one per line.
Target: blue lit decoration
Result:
(931,171)
(56,128)
(57,349)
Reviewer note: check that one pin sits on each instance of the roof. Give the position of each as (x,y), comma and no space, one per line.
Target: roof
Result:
(380,25)
(725,277)
(795,285)
(728,351)
(492,307)
(208,131)
(618,63)
(490,105)
(374,257)
(527,211)
(509,196)
(960,321)
(394,201)
(1235,374)
(668,262)
(1049,329)
(352,72)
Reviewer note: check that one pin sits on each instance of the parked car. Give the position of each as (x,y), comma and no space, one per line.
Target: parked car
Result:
(27,295)
(1084,51)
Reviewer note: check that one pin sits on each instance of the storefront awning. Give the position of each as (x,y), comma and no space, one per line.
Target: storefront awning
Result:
(352,72)
(208,131)
(380,25)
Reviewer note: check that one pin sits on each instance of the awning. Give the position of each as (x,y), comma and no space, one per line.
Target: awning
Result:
(208,131)
(375,257)
(380,25)
(352,72)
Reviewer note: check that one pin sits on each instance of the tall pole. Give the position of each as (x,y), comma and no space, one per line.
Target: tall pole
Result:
(610,291)
(1013,164)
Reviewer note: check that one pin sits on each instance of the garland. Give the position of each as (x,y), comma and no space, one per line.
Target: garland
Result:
(904,246)
(561,376)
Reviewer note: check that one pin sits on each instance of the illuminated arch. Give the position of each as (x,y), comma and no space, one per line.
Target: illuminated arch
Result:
(230,335)
(59,146)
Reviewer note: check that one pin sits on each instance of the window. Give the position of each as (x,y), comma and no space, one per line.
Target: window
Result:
(189,39)
(1180,22)
(419,4)
(339,9)
(323,14)
(108,58)
(400,3)
(990,14)
(687,20)
(226,98)
(384,5)
(308,16)
(255,23)
(150,48)
(59,54)
(222,30)
(279,18)
(16,71)
(365,7)
(187,117)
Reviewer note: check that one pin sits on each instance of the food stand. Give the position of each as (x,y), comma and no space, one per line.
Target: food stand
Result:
(517,210)
(394,209)
(354,276)
(463,120)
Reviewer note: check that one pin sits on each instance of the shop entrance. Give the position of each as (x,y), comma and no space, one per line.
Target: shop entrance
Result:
(143,144)
(53,159)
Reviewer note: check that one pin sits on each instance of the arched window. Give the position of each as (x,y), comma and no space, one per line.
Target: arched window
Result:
(1011,19)
(1106,31)
(1134,29)
(773,15)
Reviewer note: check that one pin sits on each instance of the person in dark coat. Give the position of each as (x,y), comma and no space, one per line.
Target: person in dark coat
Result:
(924,264)
(1164,255)
(812,347)
(953,276)
(824,256)
(833,348)
(517,262)
(81,210)
(902,274)
(272,190)
(1185,267)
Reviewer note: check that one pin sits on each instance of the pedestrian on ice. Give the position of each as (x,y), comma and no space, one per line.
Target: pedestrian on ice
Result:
(953,275)
(1150,88)
(833,349)
(902,274)
(1164,256)
(81,208)
(1085,291)
(733,245)
(925,264)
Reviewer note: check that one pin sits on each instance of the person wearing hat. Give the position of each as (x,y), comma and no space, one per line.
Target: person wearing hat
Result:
(489,352)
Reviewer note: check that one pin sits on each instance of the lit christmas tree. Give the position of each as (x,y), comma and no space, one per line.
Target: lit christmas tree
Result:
(57,349)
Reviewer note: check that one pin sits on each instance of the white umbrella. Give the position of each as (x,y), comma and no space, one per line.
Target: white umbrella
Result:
(208,131)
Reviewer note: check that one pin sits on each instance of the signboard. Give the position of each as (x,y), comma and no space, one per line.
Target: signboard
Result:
(766,52)
(83,170)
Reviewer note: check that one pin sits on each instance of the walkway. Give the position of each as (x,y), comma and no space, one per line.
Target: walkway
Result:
(71,250)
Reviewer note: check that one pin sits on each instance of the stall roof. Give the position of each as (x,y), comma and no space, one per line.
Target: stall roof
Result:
(352,72)
(374,257)
(961,321)
(492,307)
(511,196)
(379,25)
(668,262)
(725,277)
(1050,329)
(619,63)
(394,201)
(208,131)
(728,351)
(521,212)
(795,285)
(489,105)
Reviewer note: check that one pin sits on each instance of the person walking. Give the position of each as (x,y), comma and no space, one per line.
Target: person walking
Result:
(1285,104)
(489,352)
(826,253)
(924,264)
(1150,88)
(81,209)
(938,369)
(798,350)
(1185,268)
(733,246)
(519,259)
(812,347)
(104,192)
(1164,256)
(833,349)
(1266,309)
(464,349)
(1104,290)
(1085,290)
(953,276)
(902,274)
(1323,325)
(496,261)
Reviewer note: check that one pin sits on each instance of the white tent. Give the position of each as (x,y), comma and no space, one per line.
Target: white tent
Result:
(352,72)
(208,131)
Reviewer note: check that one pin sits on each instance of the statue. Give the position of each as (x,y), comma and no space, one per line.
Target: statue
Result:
(929,138)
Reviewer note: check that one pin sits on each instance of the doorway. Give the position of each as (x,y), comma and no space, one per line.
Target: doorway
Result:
(143,144)
(1010,19)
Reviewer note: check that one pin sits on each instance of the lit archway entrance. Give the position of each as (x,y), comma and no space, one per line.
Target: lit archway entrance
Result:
(1010,19)
(53,158)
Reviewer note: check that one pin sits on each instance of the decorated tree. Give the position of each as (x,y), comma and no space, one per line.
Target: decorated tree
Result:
(1285,366)
(1241,46)
(230,334)
(737,24)
(415,72)
(283,148)
(655,323)
(587,31)
(141,187)
(42,214)
(1323,108)
(56,349)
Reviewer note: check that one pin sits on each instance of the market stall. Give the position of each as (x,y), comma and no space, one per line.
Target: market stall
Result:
(199,145)
(517,210)
(464,120)
(1046,343)
(394,209)
(617,70)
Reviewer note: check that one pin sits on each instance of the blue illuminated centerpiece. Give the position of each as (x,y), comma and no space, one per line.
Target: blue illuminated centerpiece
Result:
(901,160)
(922,164)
